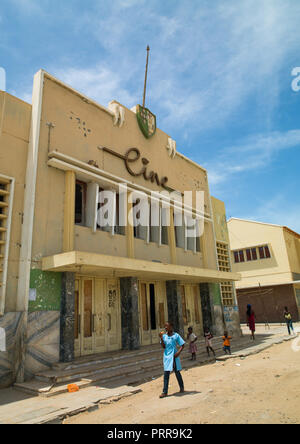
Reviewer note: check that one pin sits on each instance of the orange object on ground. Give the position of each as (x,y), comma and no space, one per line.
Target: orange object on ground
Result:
(72,388)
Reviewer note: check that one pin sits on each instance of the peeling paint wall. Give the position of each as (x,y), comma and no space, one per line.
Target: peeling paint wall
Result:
(216,293)
(218,316)
(46,288)
(232,319)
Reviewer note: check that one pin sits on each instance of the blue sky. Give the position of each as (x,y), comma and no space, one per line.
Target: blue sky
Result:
(219,81)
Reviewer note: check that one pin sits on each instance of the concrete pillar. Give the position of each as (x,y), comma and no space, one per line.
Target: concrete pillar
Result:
(67,317)
(212,309)
(130,313)
(69,211)
(175,306)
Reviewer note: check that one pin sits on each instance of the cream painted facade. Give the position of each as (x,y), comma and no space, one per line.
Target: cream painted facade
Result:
(71,288)
(284,248)
(277,263)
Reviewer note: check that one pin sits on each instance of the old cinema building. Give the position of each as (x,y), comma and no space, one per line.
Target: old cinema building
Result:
(72,287)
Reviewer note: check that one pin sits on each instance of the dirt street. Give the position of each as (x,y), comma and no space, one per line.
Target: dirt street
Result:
(262,388)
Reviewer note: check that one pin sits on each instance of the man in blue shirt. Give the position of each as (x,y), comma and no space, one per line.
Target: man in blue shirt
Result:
(169,342)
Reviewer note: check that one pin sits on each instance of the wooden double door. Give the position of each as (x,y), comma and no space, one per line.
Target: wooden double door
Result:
(153,311)
(97,316)
(191,309)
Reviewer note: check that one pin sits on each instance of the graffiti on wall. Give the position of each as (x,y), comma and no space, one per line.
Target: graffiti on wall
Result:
(231,316)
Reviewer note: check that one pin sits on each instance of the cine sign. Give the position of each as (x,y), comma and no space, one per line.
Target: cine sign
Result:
(132,158)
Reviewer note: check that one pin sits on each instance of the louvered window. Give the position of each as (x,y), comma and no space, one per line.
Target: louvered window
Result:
(6,198)
(224,265)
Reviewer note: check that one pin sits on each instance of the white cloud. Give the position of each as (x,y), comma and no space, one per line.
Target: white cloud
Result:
(99,83)
(253,153)
(277,210)
(207,59)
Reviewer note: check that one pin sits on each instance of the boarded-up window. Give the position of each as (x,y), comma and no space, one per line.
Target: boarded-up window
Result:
(154,222)
(162,315)
(248,253)
(242,257)
(118,228)
(145,320)
(254,254)
(264,252)
(179,229)
(80,202)
(152,306)
(88,308)
(165,223)
(261,252)
(267,252)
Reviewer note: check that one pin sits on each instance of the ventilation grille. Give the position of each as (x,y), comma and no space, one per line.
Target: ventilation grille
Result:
(224,265)
(6,197)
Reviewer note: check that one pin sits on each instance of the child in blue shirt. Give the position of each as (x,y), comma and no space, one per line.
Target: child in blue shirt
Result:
(169,343)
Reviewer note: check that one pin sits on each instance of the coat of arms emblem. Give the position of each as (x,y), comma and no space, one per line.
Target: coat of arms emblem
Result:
(146,121)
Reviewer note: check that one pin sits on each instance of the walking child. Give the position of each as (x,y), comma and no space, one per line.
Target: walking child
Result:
(192,338)
(226,343)
(208,341)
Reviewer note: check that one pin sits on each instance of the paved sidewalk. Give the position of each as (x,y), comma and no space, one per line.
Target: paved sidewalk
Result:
(19,408)
(278,335)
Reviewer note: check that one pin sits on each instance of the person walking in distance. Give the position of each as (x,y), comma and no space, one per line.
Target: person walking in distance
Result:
(251,320)
(169,342)
(289,321)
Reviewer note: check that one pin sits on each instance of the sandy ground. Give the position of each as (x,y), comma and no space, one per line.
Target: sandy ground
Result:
(263,389)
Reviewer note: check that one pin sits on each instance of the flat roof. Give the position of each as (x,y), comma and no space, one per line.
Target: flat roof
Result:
(265,223)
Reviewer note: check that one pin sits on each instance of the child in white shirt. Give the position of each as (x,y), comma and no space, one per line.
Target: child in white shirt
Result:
(192,338)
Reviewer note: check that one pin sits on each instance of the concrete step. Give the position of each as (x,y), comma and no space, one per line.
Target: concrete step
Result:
(104,375)
(114,359)
(104,361)
(136,376)
(102,367)
(93,371)
(115,368)
(106,357)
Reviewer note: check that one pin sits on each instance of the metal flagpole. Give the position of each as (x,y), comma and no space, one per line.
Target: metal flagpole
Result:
(146,74)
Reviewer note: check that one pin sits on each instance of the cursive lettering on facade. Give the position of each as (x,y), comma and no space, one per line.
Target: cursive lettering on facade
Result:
(131,158)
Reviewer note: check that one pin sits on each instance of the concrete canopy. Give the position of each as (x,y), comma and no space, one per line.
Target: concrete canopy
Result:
(98,264)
